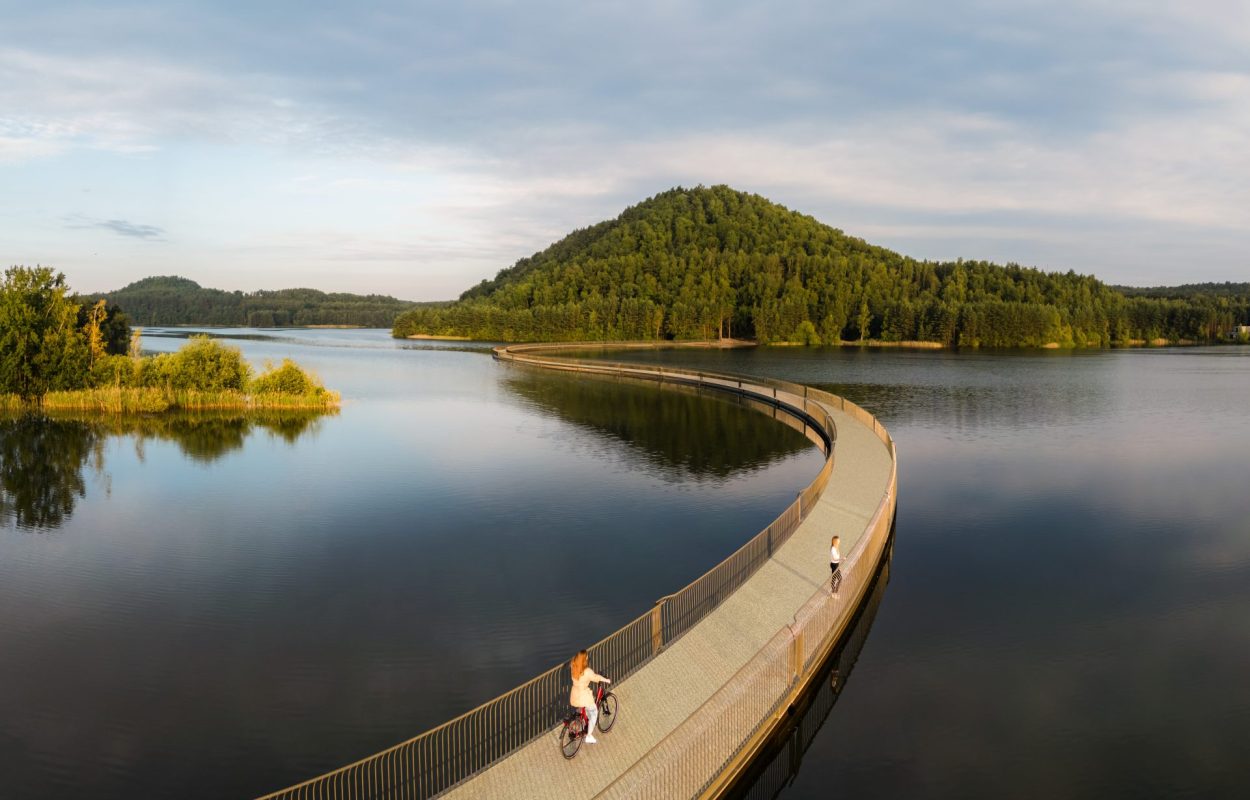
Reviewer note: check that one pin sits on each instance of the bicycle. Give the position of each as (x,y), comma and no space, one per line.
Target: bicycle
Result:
(574,722)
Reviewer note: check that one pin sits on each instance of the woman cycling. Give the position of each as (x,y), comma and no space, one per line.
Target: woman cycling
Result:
(580,696)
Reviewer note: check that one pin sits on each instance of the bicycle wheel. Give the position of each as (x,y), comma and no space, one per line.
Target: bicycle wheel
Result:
(607,712)
(572,735)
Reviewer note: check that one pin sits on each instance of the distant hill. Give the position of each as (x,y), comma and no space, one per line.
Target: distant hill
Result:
(1188,290)
(171,300)
(706,262)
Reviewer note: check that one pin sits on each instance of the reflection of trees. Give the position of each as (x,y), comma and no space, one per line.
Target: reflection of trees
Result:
(774,770)
(677,430)
(41,463)
(42,458)
(206,436)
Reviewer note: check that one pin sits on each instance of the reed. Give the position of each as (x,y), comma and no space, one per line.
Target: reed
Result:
(13,404)
(156,400)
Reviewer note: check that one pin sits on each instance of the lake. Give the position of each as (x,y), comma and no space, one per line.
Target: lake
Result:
(1068,610)
(208,607)
(217,606)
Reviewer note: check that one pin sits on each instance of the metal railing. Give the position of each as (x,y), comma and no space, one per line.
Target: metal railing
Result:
(710,748)
(442,757)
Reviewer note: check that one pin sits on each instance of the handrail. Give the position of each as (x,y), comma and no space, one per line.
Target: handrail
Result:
(442,757)
(707,752)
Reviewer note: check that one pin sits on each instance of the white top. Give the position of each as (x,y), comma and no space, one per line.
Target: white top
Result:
(834,556)
(581,696)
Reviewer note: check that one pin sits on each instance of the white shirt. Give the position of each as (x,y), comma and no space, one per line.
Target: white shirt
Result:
(834,556)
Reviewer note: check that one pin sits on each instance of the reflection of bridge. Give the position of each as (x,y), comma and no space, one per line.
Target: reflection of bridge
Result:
(708,674)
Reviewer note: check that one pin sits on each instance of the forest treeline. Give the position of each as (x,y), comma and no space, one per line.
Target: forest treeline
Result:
(169,300)
(713,262)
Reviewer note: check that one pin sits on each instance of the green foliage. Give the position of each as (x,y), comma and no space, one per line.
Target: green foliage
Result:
(178,301)
(288,378)
(114,328)
(115,371)
(46,362)
(41,346)
(709,262)
(805,334)
(206,364)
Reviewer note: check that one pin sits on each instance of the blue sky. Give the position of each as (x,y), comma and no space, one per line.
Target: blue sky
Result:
(415,148)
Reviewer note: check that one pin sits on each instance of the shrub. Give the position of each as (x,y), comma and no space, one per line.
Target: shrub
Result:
(287,379)
(209,365)
(115,371)
(805,334)
(156,371)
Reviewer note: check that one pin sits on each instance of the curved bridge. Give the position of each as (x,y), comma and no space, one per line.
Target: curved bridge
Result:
(705,676)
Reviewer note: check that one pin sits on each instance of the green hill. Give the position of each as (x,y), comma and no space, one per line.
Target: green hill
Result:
(1189,290)
(170,300)
(707,262)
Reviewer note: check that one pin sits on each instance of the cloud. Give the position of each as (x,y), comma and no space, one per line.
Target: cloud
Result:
(1065,132)
(119,226)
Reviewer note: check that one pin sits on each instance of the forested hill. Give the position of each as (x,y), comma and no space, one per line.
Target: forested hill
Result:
(1189,290)
(707,262)
(179,301)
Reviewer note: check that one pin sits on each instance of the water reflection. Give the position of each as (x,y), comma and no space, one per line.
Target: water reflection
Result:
(679,431)
(41,469)
(777,766)
(964,393)
(43,459)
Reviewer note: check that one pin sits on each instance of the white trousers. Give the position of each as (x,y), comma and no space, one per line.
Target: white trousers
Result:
(592,714)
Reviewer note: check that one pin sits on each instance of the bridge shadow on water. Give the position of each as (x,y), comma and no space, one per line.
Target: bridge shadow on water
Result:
(777,765)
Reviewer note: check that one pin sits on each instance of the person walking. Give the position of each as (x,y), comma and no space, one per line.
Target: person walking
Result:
(835,561)
(580,695)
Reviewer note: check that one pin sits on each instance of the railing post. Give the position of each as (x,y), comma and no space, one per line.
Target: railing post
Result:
(657,627)
(796,654)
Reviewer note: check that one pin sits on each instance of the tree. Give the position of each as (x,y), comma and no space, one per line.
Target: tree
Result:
(41,348)
(95,338)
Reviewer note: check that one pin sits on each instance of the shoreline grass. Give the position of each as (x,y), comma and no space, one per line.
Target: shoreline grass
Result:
(154,400)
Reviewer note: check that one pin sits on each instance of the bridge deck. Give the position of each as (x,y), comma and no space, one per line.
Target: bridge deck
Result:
(667,690)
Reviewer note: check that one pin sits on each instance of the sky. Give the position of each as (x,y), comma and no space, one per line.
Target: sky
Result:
(415,148)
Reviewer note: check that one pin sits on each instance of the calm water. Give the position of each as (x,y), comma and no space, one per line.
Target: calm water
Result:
(1067,615)
(1068,612)
(217,606)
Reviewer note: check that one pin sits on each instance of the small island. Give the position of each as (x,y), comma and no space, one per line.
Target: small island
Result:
(57,354)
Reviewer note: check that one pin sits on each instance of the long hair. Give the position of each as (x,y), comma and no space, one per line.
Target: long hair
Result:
(578,665)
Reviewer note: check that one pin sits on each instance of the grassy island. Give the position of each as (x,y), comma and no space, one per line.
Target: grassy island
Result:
(53,360)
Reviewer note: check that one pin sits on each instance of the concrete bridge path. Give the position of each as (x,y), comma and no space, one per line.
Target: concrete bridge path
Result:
(667,690)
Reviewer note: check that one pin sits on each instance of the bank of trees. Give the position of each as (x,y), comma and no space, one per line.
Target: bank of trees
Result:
(169,300)
(60,354)
(709,262)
